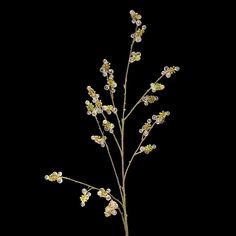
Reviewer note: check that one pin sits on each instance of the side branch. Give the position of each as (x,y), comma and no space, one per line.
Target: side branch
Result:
(113,104)
(114,136)
(109,154)
(89,186)
(140,100)
(136,151)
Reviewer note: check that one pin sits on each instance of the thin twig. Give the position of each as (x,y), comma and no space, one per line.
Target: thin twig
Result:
(109,154)
(140,100)
(122,216)
(122,141)
(117,143)
(113,104)
(136,151)
(114,136)
(123,111)
(90,186)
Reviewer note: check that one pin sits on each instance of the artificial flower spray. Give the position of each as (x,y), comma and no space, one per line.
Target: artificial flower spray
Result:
(100,112)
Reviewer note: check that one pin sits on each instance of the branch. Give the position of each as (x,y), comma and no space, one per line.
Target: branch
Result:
(113,103)
(117,143)
(136,151)
(89,186)
(114,136)
(126,77)
(140,100)
(109,154)
(123,112)
(122,215)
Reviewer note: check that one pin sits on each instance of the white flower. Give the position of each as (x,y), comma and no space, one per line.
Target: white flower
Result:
(108,126)
(168,71)
(111,84)
(104,193)
(84,197)
(156,87)
(146,128)
(136,18)
(135,56)
(99,140)
(55,176)
(91,109)
(109,109)
(92,93)
(149,99)
(111,209)
(160,118)
(105,69)
(148,148)
(137,35)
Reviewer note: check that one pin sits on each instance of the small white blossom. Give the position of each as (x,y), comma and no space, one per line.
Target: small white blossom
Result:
(105,69)
(149,99)
(55,176)
(108,126)
(99,140)
(156,87)
(148,148)
(104,193)
(146,128)
(92,93)
(111,84)
(135,56)
(160,118)
(111,209)
(136,18)
(168,71)
(91,109)
(109,109)
(137,35)
(84,197)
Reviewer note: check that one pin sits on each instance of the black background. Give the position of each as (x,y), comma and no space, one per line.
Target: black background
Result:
(63,47)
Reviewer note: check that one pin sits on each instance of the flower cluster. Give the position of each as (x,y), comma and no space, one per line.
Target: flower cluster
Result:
(148,148)
(137,35)
(168,71)
(111,209)
(91,109)
(136,18)
(95,107)
(55,176)
(105,69)
(99,140)
(109,73)
(92,93)
(98,105)
(108,126)
(111,84)
(135,56)
(149,99)
(160,118)
(156,87)
(84,197)
(146,128)
(104,193)
(109,109)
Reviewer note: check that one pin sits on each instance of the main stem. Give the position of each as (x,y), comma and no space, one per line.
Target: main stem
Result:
(126,228)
